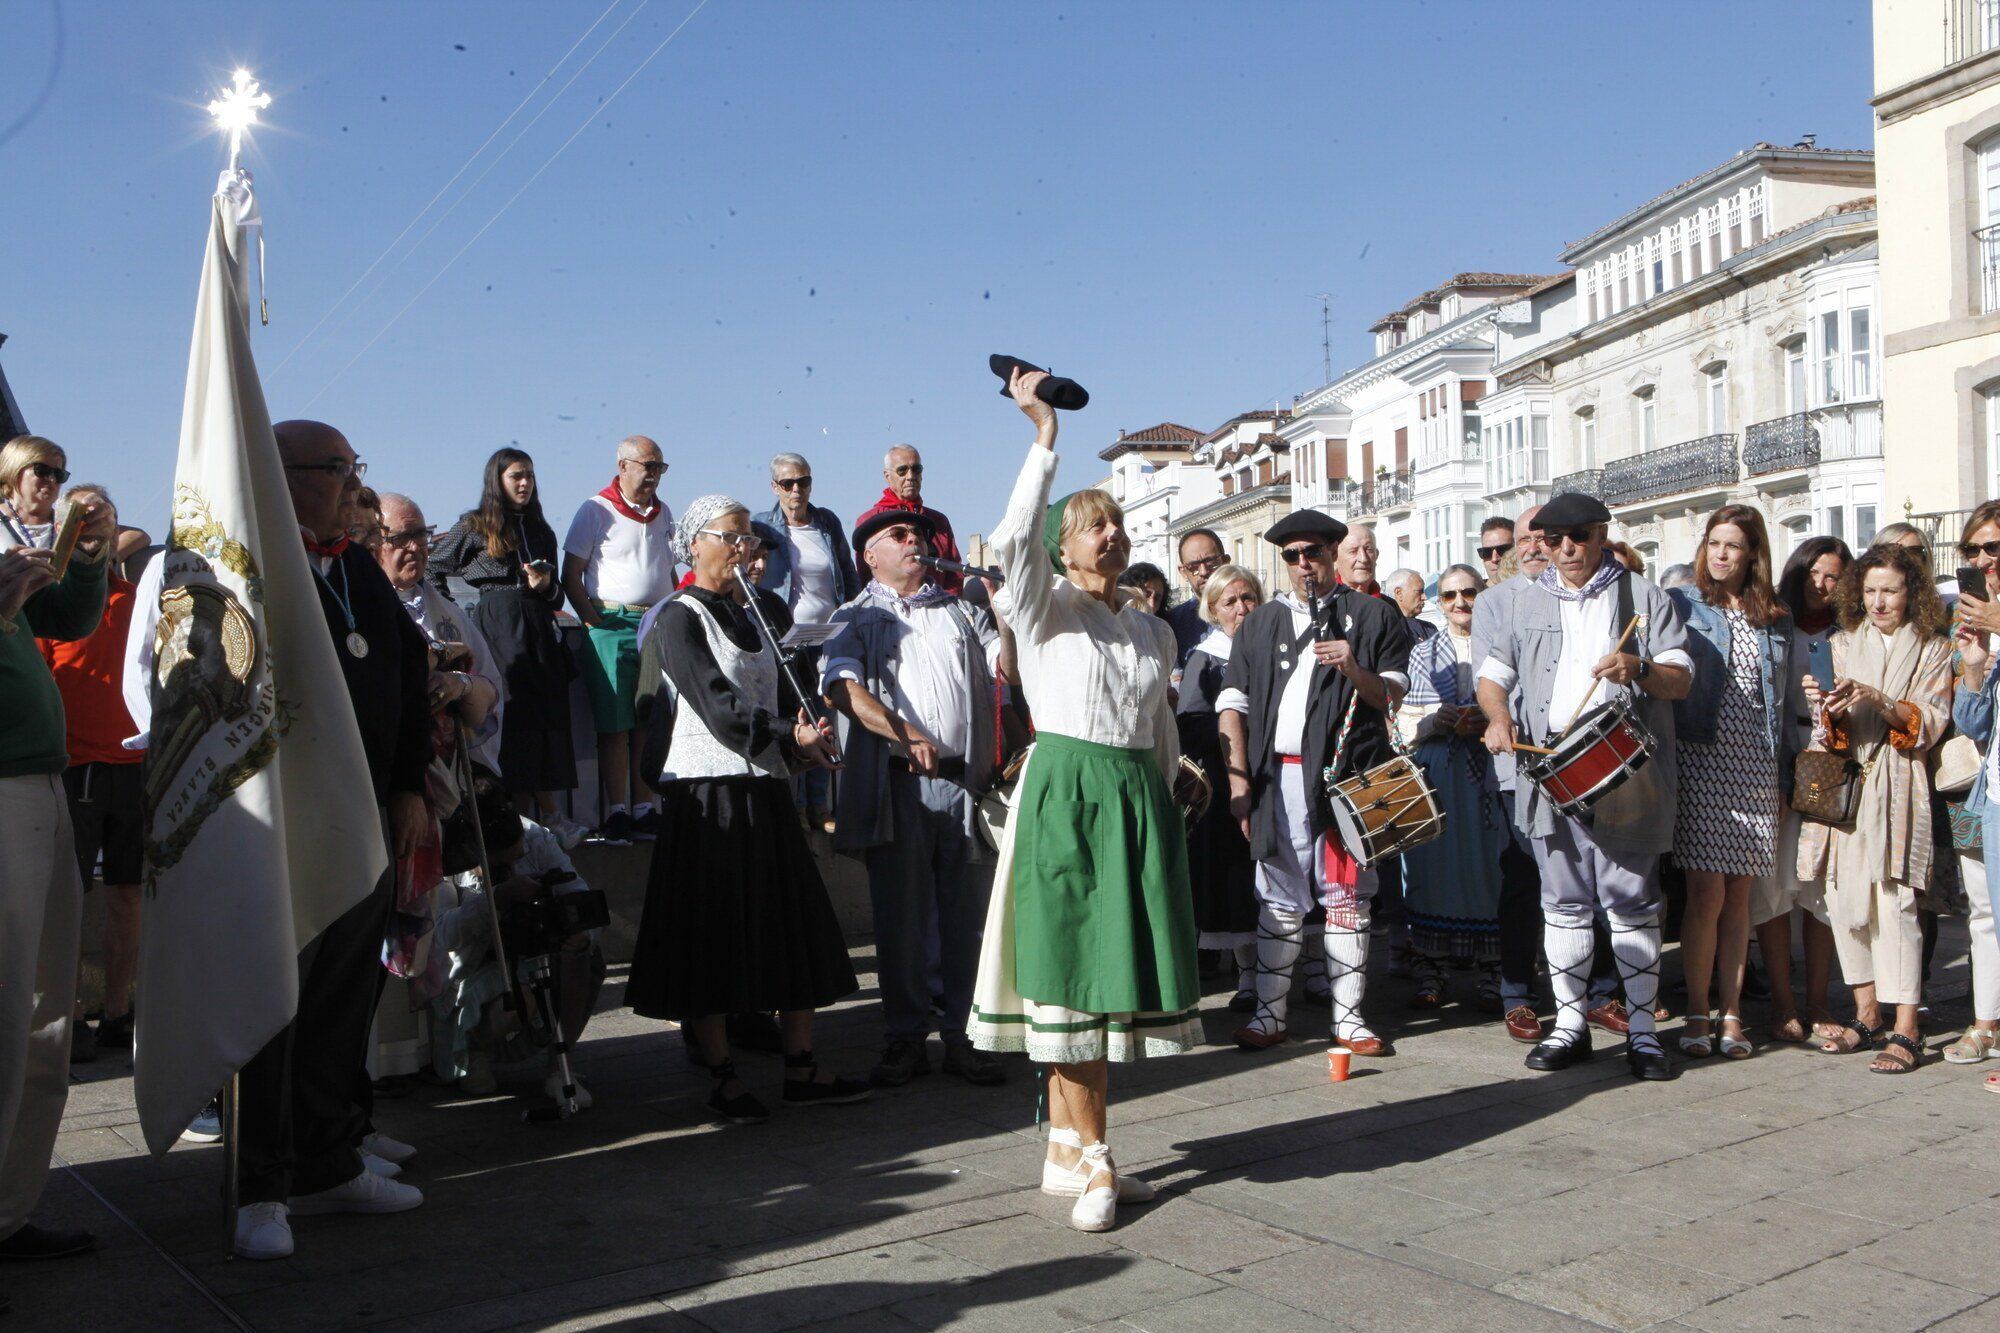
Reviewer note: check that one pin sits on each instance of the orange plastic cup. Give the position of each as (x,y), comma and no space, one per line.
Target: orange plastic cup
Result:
(1336,1064)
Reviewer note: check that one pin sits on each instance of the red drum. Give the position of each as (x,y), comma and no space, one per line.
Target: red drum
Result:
(1606,746)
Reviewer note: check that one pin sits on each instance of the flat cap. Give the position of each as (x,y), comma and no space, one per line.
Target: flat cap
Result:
(1303,523)
(1574,510)
(865,530)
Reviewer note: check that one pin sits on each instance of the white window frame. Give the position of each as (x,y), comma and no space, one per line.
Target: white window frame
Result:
(1586,437)
(1798,381)
(1715,397)
(1649,419)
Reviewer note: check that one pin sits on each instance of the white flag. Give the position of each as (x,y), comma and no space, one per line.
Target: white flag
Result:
(262,826)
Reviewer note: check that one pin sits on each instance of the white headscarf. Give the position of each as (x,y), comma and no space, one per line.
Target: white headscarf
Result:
(698,515)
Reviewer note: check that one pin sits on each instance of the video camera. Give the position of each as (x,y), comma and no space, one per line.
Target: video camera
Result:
(544,923)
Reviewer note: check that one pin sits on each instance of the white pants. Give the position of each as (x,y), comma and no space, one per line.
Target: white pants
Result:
(1888,947)
(41,913)
(1295,879)
(1985,944)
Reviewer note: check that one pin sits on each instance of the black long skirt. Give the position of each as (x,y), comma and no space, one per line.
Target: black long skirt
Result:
(1221,872)
(737,918)
(537,752)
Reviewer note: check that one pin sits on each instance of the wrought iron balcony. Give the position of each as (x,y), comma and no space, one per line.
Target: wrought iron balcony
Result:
(1590,482)
(1693,465)
(1987,241)
(1774,446)
(1396,491)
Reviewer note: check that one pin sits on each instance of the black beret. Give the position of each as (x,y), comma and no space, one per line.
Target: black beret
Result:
(766,534)
(1574,510)
(865,530)
(1303,523)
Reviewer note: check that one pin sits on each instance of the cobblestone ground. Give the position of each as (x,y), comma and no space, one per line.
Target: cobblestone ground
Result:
(1446,1187)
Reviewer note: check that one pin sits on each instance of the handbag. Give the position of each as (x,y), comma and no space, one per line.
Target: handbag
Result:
(1954,764)
(1967,827)
(1826,787)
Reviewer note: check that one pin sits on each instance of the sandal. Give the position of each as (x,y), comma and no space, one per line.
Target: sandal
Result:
(1699,1046)
(1783,1029)
(1734,1048)
(813,1089)
(1892,1043)
(1992,1083)
(1860,1029)
(741,1109)
(1975,1045)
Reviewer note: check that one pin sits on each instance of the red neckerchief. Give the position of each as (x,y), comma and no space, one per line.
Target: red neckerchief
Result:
(1372,588)
(328,551)
(891,500)
(618,502)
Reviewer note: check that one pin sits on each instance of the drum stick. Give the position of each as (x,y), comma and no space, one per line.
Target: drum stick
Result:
(1591,693)
(1532,749)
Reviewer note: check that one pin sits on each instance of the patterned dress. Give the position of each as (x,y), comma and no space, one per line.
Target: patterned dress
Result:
(1728,816)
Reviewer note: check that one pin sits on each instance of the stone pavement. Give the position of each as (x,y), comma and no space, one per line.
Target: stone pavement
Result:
(1447,1187)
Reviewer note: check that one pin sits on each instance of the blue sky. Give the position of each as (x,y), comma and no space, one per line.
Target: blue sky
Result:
(806,226)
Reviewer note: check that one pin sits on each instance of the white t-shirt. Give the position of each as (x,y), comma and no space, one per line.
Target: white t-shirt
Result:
(814,578)
(624,561)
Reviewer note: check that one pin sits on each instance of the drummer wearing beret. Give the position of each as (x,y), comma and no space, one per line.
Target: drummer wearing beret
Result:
(1565,650)
(1299,664)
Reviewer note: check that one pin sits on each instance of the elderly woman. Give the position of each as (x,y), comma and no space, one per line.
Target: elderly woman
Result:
(1451,885)
(32,473)
(737,918)
(1889,704)
(1220,869)
(1090,939)
(1978,617)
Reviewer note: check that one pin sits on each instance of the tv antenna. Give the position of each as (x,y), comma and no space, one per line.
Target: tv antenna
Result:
(1325,336)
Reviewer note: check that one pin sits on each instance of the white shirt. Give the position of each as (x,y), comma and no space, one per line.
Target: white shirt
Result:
(813,576)
(1089,674)
(927,685)
(624,561)
(1288,734)
(1590,631)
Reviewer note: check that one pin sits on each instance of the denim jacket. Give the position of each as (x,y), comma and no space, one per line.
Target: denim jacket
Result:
(1972,714)
(1708,643)
(778,568)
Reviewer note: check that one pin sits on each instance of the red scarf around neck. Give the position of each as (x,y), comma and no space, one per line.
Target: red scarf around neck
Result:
(326,550)
(890,500)
(618,502)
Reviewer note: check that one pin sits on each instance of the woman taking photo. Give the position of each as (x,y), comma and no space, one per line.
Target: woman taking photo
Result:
(1730,733)
(1090,939)
(1451,885)
(1890,702)
(1220,869)
(1972,710)
(506,550)
(1806,588)
(737,919)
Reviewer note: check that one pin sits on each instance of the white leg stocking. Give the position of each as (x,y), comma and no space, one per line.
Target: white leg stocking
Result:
(1347,970)
(1567,941)
(1246,967)
(1635,942)
(1279,936)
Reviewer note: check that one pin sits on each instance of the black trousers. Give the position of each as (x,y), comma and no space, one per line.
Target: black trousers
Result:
(1520,917)
(304,1099)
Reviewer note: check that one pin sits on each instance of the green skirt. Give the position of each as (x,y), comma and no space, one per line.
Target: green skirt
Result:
(1103,919)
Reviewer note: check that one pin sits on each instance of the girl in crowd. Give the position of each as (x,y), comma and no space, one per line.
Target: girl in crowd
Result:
(1890,703)
(1806,588)
(737,919)
(1730,730)
(1451,885)
(1973,711)
(1090,940)
(506,550)
(1220,870)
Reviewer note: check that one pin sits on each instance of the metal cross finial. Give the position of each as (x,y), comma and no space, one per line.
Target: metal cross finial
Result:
(236,111)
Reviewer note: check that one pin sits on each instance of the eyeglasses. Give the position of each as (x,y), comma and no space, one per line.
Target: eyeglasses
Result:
(1468,594)
(411,537)
(1293,554)
(909,469)
(49,472)
(1574,536)
(339,467)
(1208,564)
(792,483)
(1495,552)
(652,469)
(1968,550)
(902,532)
(742,541)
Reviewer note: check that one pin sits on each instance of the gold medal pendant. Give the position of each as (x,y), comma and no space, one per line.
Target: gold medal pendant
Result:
(356,645)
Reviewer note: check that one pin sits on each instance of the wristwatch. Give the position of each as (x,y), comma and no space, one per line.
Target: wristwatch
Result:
(1644,667)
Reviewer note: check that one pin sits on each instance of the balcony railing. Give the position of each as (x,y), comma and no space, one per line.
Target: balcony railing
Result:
(1589,482)
(1774,446)
(1390,490)
(1970,28)
(1987,239)
(1694,465)
(1941,528)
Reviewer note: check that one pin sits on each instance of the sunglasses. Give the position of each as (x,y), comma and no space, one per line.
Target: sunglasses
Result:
(902,532)
(339,467)
(909,469)
(1574,536)
(792,483)
(1495,552)
(412,537)
(49,472)
(650,469)
(1969,550)
(1468,594)
(1206,565)
(1293,554)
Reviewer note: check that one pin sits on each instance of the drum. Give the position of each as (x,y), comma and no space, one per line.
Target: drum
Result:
(1606,746)
(1191,794)
(1388,809)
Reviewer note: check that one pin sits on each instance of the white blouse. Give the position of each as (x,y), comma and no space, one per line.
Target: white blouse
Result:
(1089,674)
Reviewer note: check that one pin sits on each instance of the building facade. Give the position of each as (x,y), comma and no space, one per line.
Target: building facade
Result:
(1154,479)
(1937,140)
(1252,467)
(1716,344)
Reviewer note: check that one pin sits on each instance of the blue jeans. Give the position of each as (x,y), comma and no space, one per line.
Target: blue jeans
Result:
(925,875)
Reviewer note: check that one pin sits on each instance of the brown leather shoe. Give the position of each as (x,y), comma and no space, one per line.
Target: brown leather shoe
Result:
(1610,1016)
(1365,1045)
(1255,1039)
(1523,1025)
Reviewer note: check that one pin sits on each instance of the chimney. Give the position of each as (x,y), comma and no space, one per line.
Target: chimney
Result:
(1806,142)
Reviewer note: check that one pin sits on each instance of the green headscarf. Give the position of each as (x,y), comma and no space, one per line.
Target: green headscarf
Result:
(1052,531)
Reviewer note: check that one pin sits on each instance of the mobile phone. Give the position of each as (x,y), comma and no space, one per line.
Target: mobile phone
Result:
(1819,661)
(68,528)
(542,565)
(1972,582)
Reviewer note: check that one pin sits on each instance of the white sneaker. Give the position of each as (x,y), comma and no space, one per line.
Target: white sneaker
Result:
(1097,1205)
(388,1149)
(569,834)
(1069,1182)
(552,1085)
(381,1166)
(206,1127)
(262,1232)
(366,1193)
